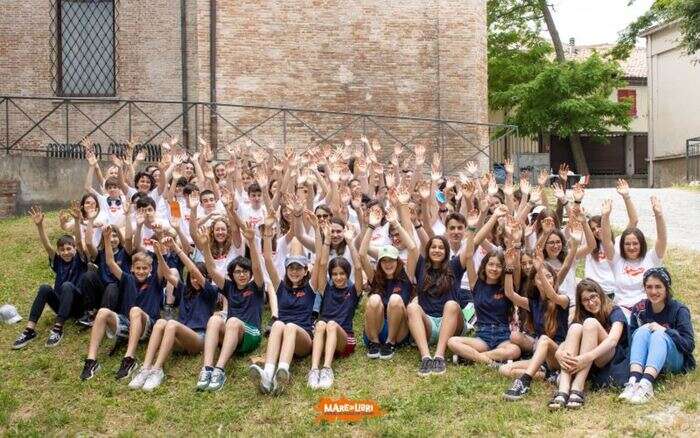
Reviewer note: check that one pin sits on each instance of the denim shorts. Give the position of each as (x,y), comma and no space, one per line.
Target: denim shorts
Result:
(493,335)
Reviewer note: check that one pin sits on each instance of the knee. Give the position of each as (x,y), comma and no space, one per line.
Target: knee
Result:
(396,302)
(641,333)
(171,326)
(591,325)
(214,321)
(67,288)
(414,310)
(374,302)
(134,312)
(516,336)
(658,335)
(102,314)
(544,341)
(44,289)
(290,330)
(233,324)
(451,308)
(320,326)
(331,325)
(576,328)
(278,326)
(453,342)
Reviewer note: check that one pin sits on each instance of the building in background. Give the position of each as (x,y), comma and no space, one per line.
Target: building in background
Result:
(674,115)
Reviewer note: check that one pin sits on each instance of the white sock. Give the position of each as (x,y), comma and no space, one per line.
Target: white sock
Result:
(646,383)
(269,369)
(283,366)
(632,380)
(426,357)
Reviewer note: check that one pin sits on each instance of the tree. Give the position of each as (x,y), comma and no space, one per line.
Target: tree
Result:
(544,95)
(687,12)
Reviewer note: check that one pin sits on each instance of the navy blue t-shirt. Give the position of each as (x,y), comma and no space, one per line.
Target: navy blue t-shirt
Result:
(491,305)
(393,286)
(147,296)
(196,309)
(616,372)
(120,257)
(538,309)
(67,271)
(296,305)
(339,305)
(245,304)
(434,305)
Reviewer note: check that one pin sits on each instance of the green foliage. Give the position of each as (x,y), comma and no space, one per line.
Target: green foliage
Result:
(687,12)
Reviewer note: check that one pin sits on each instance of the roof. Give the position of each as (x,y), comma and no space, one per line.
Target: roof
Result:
(634,67)
(657,27)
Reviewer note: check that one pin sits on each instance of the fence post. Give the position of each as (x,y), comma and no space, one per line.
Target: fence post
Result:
(129,133)
(7,126)
(284,128)
(65,103)
(687,161)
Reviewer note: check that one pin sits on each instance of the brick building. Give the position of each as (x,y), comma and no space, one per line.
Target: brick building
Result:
(398,57)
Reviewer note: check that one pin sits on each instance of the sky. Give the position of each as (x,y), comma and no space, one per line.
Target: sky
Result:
(595,21)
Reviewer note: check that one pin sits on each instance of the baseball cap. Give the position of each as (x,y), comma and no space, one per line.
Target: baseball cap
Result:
(298,259)
(9,315)
(440,197)
(388,251)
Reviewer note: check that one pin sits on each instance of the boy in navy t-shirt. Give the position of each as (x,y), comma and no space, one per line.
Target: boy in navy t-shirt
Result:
(68,263)
(140,298)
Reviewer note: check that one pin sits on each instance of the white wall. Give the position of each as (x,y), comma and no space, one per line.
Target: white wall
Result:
(640,123)
(674,87)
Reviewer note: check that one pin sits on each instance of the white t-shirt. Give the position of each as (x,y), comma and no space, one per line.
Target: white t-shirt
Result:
(161,206)
(439,228)
(114,213)
(255,217)
(568,284)
(100,220)
(600,271)
(221,263)
(629,275)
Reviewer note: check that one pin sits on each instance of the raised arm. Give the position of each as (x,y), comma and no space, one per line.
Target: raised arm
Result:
(349,235)
(203,245)
(267,257)
(109,255)
(605,232)
(89,245)
(364,257)
(163,270)
(77,216)
(186,260)
(623,189)
(38,218)
(512,256)
(323,248)
(575,239)
(661,238)
(249,234)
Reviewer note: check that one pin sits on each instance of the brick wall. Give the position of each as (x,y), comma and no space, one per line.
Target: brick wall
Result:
(398,57)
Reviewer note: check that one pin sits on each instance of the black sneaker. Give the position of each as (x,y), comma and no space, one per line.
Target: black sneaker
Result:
(127,367)
(516,391)
(55,337)
(86,320)
(457,360)
(372,350)
(439,366)
(386,351)
(89,370)
(426,367)
(23,339)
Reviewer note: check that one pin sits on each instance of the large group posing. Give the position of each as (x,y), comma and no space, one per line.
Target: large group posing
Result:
(186,254)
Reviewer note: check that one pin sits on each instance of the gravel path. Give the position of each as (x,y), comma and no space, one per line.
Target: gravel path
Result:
(681,211)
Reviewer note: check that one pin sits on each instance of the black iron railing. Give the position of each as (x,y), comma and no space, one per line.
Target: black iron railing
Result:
(692,159)
(54,126)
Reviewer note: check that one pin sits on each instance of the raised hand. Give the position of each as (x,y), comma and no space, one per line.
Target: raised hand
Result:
(508,188)
(492,187)
(348,235)
(473,218)
(559,192)
(510,168)
(525,186)
(578,192)
(656,205)
(375,217)
(392,215)
(193,200)
(576,232)
(564,172)
(424,191)
(472,169)
(74,210)
(512,257)
(390,180)
(468,189)
(606,208)
(542,177)
(623,188)
(536,195)
(501,211)
(247,231)
(36,214)
(420,155)
(548,224)
(435,172)
(157,246)
(202,237)
(140,216)
(403,194)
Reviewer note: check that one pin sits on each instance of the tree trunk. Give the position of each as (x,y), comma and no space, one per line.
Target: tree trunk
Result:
(574,139)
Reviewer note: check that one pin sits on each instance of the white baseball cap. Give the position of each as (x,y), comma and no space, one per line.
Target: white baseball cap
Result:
(9,315)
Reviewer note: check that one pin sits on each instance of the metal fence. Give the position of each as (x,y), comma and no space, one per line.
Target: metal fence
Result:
(54,127)
(692,159)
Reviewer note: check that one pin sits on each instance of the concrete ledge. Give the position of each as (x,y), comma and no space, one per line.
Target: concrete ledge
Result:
(607,181)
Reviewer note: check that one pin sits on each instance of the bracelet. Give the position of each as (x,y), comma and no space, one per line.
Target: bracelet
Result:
(297,215)
(509,271)
(371,227)
(577,202)
(417,227)
(472,229)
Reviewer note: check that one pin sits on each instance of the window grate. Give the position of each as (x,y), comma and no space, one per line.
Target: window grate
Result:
(84,47)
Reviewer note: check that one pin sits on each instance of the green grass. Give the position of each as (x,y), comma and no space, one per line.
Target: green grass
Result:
(687,187)
(42,394)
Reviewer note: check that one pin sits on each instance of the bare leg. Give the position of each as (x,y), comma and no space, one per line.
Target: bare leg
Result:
(593,334)
(274,342)
(104,318)
(336,340)
(396,320)
(137,324)
(504,351)
(469,348)
(154,342)
(183,335)
(233,334)
(545,347)
(571,345)
(296,341)
(419,325)
(452,323)
(374,318)
(318,344)
(215,328)
(525,342)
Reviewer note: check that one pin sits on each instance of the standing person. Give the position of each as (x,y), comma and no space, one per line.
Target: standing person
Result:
(662,337)
(596,347)
(631,259)
(243,287)
(333,332)
(69,263)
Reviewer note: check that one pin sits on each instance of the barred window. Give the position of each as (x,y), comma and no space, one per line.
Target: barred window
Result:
(85,46)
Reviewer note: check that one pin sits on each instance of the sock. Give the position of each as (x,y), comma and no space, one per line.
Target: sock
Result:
(57,327)
(283,366)
(526,379)
(635,376)
(219,368)
(29,330)
(269,370)
(649,377)
(209,368)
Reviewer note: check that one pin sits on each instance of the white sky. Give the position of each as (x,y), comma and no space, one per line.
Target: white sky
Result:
(595,21)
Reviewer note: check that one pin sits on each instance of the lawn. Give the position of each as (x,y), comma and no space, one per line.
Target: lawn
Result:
(42,394)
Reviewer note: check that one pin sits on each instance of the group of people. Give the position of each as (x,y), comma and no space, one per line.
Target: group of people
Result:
(185,254)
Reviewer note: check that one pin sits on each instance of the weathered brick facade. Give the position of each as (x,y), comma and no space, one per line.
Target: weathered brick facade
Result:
(396,57)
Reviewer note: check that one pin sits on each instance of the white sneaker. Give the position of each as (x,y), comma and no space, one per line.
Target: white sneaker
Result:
(261,379)
(154,380)
(630,389)
(280,380)
(325,379)
(312,379)
(644,393)
(140,378)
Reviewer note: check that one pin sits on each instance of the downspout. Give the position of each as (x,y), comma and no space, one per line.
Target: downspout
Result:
(213,120)
(183,67)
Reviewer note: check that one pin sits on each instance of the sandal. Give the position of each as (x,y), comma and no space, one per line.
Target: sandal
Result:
(558,401)
(576,399)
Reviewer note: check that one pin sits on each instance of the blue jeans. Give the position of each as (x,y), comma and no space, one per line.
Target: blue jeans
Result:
(656,350)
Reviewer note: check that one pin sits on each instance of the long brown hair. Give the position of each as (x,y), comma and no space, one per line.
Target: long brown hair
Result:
(550,314)
(220,250)
(380,280)
(438,280)
(580,315)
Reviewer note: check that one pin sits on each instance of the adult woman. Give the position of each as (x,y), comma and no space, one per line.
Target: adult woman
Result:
(662,337)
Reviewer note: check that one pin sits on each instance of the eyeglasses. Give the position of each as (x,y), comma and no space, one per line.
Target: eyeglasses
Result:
(591,299)
(554,242)
(239,272)
(323,216)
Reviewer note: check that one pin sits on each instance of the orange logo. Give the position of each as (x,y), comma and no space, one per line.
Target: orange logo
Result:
(344,409)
